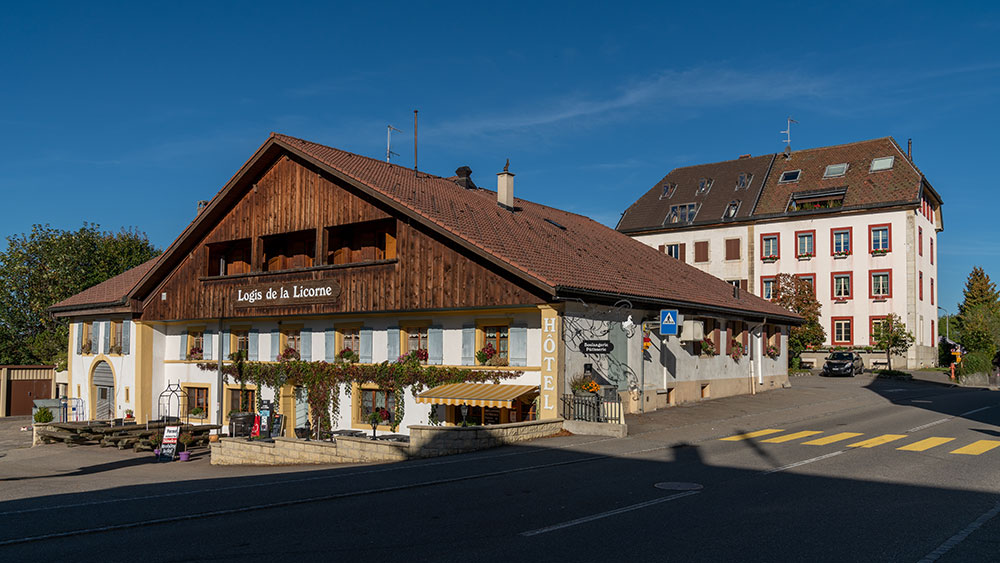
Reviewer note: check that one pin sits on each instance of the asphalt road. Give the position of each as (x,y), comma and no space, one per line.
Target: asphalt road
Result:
(821,478)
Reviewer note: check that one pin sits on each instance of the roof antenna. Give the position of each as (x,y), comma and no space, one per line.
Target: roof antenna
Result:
(788,135)
(388,142)
(414,142)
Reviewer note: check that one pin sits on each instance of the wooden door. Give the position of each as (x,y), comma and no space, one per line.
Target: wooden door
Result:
(24,392)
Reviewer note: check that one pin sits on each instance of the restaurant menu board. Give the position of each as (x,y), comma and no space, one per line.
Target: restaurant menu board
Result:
(491,416)
(168,448)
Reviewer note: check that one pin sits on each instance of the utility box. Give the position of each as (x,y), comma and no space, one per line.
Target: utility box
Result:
(692,331)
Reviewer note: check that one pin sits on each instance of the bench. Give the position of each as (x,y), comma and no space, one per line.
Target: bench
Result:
(807,363)
(879,363)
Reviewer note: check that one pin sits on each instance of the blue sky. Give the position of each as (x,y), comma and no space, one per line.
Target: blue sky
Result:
(127,114)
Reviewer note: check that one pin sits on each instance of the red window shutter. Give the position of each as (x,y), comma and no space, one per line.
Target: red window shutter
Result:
(743,285)
(701,251)
(663,248)
(733,249)
(729,337)
(683,257)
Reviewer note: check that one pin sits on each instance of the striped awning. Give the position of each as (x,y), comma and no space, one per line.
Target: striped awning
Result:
(476,394)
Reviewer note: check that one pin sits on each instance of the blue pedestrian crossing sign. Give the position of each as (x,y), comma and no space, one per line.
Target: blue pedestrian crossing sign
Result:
(668,322)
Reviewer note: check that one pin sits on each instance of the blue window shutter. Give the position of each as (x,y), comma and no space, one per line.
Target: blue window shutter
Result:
(468,345)
(366,345)
(207,349)
(435,346)
(79,338)
(225,345)
(95,334)
(184,346)
(126,337)
(107,337)
(253,347)
(275,344)
(392,347)
(306,345)
(329,341)
(518,349)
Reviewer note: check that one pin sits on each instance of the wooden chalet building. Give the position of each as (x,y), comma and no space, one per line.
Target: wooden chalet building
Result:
(318,249)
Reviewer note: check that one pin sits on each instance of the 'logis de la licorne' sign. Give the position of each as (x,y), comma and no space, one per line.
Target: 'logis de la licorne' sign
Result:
(291,293)
(596,346)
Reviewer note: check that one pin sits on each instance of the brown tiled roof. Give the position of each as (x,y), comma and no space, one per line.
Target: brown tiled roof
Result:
(900,184)
(561,250)
(651,210)
(108,292)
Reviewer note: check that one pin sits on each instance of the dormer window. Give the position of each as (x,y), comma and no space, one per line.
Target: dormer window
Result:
(682,213)
(731,209)
(668,191)
(883,163)
(835,170)
(789,176)
(704,185)
(815,200)
(743,182)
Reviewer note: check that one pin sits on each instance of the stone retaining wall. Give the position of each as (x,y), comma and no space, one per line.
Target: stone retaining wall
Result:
(425,441)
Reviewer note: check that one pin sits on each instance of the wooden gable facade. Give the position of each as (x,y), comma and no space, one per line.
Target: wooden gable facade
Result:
(286,221)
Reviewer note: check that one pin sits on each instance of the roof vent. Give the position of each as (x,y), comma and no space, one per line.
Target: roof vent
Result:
(464,179)
(742,156)
(202,204)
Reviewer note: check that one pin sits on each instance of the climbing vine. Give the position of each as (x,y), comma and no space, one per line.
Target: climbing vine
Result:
(322,380)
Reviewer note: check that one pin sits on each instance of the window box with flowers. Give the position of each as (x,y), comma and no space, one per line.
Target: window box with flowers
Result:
(348,356)
(772,352)
(420,354)
(195,353)
(806,256)
(736,350)
(769,259)
(488,356)
(880,252)
(288,355)
(841,254)
(708,348)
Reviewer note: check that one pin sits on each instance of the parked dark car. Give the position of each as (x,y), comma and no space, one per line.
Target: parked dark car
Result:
(843,363)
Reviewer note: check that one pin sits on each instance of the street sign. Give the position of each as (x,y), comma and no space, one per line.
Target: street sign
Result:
(596,347)
(668,322)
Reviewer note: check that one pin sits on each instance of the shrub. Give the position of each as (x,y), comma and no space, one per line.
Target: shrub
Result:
(43,415)
(980,361)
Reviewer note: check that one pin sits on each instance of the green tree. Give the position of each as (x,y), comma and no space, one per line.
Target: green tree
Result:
(47,265)
(798,296)
(891,335)
(979,291)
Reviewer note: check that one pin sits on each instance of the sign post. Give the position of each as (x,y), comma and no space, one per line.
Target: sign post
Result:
(668,322)
(169,445)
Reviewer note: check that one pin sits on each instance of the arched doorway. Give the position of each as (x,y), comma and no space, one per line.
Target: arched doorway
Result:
(104,390)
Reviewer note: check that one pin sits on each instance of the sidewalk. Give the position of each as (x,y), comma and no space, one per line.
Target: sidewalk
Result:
(11,436)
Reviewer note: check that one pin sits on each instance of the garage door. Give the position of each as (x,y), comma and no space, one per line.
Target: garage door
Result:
(24,391)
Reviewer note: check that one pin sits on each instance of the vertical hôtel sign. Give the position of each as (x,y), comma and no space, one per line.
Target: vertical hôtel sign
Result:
(551,363)
(290,293)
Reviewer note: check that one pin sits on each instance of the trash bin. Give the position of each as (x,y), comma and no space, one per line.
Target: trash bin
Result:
(240,424)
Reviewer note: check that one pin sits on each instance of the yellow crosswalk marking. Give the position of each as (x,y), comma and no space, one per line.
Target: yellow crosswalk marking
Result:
(831,439)
(871,443)
(754,434)
(977,447)
(792,436)
(926,444)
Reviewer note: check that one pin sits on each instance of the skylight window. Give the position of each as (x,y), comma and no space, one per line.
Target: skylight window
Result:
(883,163)
(682,213)
(704,185)
(835,170)
(744,181)
(789,176)
(547,220)
(731,209)
(668,191)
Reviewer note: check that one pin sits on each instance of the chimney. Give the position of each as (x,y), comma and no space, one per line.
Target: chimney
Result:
(202,204)
(909,150)
(505,188)
(742,156)
(464,179)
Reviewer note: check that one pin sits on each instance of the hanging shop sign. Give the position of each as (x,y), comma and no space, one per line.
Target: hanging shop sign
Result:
(596,347)
(291,293)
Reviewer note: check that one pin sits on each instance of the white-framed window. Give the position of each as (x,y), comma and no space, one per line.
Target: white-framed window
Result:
(731,209)
(767,288)
(682,213)
(789,176)
(770,248)
(743,182)
(880,238)
(668,191)
(704,185)
(882,163)
(835,170)
(880,284)
(842,331)
(841,286)
(673,250)
(842,241)
(805,244)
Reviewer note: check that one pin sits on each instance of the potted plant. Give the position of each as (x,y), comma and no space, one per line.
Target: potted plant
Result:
(583,385)
(129,414)
(43,415)
(185,440)
(155,440)
(289,355)
(195,353)
(349,356)
(736,349)
(116,349)
(708,347)
(488,356)
(772,351)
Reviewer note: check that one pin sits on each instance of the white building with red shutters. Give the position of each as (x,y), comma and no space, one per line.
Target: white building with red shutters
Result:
(859,221)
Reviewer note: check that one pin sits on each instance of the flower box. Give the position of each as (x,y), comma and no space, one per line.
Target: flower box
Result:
(768,259)
(879,252)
